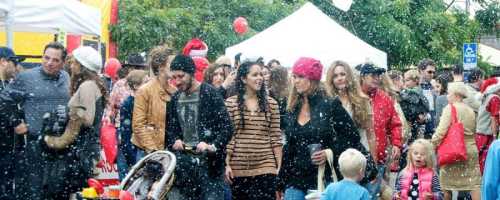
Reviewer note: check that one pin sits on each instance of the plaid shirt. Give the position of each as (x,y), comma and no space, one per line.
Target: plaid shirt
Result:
(119,93)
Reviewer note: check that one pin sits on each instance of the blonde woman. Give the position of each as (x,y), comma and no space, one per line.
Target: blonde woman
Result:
(463,175)
(341,83)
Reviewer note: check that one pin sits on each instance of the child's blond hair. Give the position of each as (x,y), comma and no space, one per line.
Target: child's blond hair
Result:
(351,162)
(429,161)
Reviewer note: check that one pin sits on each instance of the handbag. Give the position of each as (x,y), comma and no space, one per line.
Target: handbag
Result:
(452,149)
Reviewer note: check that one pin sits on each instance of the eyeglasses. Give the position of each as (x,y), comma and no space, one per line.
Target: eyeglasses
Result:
(431,71)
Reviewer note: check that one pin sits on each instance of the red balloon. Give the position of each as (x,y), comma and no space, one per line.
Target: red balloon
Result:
(112,67)
(240,25)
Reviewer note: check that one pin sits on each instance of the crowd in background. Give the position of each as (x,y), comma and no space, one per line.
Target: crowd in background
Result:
(244,129)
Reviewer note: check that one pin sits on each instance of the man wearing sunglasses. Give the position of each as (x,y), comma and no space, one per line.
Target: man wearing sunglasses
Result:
(427,70)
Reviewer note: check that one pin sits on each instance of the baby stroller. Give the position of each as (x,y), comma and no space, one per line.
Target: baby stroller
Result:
(140,182)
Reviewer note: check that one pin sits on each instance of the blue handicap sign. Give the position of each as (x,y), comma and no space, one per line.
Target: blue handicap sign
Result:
(470,55)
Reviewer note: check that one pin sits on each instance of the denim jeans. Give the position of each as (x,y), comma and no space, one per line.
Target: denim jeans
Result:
(375,187)
(292,193)
(121,163)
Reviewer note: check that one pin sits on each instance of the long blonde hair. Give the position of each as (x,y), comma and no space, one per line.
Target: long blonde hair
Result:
(429,162)
(360,102)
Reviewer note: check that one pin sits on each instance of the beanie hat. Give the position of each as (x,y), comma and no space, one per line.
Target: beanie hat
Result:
(490,85)
(201,65)
(195,47)
(183,63)
(310,68)
(89,58)
(111,68)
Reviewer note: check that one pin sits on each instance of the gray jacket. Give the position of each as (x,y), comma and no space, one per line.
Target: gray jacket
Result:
(43,94)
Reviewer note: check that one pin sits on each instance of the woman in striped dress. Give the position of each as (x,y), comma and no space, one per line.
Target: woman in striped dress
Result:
(254,152)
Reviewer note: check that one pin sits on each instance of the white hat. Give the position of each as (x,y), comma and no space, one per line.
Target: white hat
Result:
(458,88)
(89,58)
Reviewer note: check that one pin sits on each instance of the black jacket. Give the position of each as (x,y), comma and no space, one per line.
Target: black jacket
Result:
(214,126)
(331,126)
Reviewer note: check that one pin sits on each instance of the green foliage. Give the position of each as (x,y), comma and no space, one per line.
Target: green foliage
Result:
(489,18)
(408,30)
(147,23)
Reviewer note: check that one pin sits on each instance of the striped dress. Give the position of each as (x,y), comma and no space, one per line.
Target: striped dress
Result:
(250,151)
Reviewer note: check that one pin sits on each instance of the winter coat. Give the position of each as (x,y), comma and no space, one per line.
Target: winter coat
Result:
(214,126)
(331,126)
(9,143)
(149,117)
(386,123)
(491,179)
(460,175)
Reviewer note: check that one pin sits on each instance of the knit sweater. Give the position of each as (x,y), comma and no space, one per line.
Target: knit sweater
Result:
(250,151)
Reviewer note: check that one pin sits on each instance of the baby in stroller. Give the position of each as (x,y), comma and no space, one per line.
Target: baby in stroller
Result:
(145,184)
(151,177)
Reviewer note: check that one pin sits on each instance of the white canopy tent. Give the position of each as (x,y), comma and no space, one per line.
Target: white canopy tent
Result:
(308,32)
(490,54)
(48,16)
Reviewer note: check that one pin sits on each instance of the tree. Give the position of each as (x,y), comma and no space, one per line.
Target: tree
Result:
(146,23)
(407,30)
(489,18)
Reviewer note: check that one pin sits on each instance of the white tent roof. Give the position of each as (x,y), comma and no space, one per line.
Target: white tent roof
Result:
(489,54)
(50,15)
(308,32)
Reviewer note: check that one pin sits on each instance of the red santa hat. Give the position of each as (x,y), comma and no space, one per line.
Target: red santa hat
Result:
(490,85)
(195,48)
(201,64)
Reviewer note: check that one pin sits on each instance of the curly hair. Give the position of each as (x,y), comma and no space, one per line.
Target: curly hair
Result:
(359,101)
(243,71)
(158,57)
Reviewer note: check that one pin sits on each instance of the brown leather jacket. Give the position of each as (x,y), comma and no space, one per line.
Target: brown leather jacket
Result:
(149,115)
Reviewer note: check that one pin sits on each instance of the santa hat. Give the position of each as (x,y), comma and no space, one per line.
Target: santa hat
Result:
(195,47)
(490,86)
(201,65)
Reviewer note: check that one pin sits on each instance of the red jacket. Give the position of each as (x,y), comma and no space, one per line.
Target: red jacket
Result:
(386,123)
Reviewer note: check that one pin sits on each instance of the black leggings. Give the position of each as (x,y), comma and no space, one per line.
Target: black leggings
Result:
(260,187)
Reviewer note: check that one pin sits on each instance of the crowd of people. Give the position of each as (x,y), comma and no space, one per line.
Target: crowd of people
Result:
(244,129)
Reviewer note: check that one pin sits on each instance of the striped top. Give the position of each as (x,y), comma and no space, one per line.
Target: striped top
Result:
(250,151)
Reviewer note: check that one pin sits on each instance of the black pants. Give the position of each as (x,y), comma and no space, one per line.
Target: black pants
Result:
(260,187)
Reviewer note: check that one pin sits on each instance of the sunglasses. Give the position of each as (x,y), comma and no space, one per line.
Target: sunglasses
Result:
(431,72)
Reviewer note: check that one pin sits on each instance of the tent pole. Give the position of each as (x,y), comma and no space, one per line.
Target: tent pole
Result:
(8,24)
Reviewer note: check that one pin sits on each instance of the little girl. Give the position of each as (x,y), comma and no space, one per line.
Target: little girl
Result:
(418,179)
